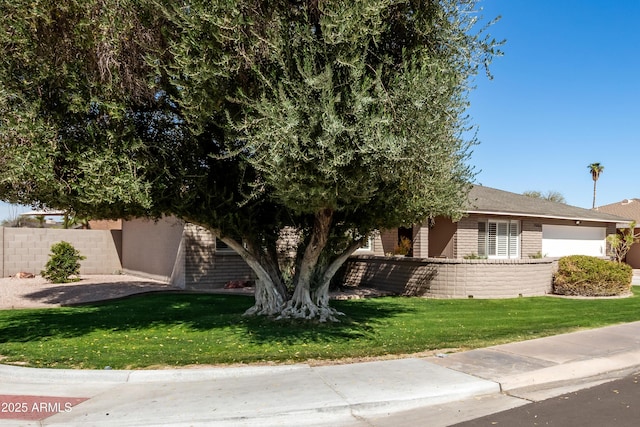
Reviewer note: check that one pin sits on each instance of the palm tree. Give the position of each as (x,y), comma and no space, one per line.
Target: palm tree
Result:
(596,169)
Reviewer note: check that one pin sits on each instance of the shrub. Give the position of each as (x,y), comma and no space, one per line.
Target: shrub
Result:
(475,256)
(590,276)
(64,262)
(537,255)
(403,247)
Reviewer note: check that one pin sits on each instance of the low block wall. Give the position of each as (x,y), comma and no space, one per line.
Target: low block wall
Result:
(28,249)
(451,278)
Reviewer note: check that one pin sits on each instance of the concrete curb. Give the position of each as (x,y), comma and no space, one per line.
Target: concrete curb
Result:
(196,374)
(10,373)
(572,371)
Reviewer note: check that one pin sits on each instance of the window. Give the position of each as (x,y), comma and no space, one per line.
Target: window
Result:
(367,245)
(223,247)
(499,239)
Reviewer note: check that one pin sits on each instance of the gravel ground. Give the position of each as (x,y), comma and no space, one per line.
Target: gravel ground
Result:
(38,293)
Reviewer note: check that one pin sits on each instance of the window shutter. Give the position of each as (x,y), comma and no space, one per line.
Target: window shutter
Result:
(482,238)
(514,233)
(502,240)
(491,237)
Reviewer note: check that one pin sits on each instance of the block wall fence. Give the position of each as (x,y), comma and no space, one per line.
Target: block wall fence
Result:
(451,278)
(28,249)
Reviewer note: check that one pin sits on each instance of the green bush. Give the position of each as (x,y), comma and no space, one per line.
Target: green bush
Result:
(64,262)
(590,276)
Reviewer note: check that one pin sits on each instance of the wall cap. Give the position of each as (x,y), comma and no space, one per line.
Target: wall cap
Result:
(412,260)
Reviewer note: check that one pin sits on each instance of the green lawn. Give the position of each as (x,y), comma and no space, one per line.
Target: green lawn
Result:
(184,329)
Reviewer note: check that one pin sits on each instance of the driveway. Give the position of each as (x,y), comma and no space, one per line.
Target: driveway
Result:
(38,293)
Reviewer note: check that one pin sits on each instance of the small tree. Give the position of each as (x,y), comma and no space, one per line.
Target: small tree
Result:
(620,243)
(64,262)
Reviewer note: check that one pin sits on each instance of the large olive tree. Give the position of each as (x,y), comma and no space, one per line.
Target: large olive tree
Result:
(330,118)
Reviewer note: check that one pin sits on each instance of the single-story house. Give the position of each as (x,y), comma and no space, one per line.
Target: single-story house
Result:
(494,250)
(628,208)
(505,246)
(502,225)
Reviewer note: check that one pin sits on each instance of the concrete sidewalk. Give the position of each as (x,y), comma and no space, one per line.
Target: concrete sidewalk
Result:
(394,392)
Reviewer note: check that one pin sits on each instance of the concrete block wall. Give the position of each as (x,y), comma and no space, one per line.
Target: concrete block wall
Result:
(451,278)
(28,249)
(492,279)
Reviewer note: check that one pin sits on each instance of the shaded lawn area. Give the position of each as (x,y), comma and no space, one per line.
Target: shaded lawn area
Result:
(159,330)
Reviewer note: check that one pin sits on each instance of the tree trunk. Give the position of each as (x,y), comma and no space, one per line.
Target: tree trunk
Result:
(321,294)
(301,306)
(594,193)
(269,298)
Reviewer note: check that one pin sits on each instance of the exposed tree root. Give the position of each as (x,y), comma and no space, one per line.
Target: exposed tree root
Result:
(269,302)
(305,308)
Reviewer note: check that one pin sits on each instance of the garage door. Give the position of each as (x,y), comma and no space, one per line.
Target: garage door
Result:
(562,240)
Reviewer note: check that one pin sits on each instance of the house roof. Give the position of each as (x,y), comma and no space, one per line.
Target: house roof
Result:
(44,212)
(486,200)
(628,208)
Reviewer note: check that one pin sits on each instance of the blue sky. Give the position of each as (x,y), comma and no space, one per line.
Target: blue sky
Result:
(565,94)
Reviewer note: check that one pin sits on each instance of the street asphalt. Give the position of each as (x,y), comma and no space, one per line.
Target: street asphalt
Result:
(436,391)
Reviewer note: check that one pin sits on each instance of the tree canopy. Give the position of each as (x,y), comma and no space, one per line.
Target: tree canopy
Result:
(551,195)
(331,118)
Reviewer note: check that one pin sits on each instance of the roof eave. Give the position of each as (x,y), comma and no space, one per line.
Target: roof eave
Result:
(530,215)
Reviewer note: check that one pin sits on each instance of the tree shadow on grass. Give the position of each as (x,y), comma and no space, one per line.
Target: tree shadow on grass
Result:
(360,319)
(200,312)
(81,293)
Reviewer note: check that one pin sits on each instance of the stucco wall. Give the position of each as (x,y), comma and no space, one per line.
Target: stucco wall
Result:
(441,243)
(28,249)
(150,248)
(451,278)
